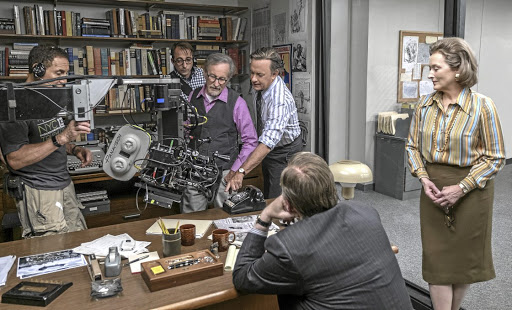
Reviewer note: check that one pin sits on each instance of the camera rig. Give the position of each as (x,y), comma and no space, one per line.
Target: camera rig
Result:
(166,166)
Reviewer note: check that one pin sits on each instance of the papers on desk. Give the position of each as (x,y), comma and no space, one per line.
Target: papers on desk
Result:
(201,226)
(39,264)
(231,257)
(100,246)
(135,267)
(6,263)
(241,225)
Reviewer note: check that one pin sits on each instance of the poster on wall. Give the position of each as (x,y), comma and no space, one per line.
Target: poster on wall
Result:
(301,95)
(285,51)
(260,36)
(297,19)
(279,29)
(299,57)
(305,129)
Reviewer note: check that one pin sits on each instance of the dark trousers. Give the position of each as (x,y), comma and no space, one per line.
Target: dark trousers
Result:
(274,163)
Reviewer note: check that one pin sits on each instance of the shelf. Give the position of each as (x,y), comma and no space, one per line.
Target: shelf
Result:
(185,7)
(28,37)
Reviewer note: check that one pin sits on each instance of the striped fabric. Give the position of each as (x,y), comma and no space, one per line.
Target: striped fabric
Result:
(474,136)
(279,114)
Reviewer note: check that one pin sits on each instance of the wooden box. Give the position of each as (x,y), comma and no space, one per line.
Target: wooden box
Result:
(181,269)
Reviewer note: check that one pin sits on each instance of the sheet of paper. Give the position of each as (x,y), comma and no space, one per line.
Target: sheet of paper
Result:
(416,72)
(409,52)
(409,90)
(201,226)
(426,87)
(241,225)
(405,77)
(100,246)
(135,267)
(39,264)
(430,39)
(6,263)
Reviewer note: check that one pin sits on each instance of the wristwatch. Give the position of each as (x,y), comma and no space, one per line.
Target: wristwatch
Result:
(263,223)
(241,170)
(464,188)
(55,142)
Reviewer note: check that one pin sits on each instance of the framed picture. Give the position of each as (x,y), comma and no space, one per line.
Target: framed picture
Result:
(285,51)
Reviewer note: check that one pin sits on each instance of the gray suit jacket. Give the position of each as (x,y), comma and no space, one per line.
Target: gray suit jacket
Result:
(337,259)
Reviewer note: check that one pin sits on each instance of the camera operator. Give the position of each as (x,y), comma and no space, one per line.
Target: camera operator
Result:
(36,154)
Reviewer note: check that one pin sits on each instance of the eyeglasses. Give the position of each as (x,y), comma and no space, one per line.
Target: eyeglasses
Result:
(180,61)
(449,217)
(212,78)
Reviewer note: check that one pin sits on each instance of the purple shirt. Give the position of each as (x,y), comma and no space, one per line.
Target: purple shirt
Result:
(243,122)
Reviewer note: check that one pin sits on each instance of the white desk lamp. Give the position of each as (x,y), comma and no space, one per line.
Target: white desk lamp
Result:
(349,173)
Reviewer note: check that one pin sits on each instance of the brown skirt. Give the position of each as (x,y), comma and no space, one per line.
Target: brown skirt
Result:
(462,255)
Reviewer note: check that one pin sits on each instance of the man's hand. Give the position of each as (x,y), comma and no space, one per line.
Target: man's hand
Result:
(449,196)
(72,131)
(234,182)
(278,209)
(85,155)
(430,189)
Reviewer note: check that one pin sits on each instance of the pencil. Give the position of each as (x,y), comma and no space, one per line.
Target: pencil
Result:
(177,225)
(162,226)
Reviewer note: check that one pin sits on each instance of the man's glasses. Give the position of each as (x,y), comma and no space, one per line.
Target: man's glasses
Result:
(180,61)
(212,78)
(449,218)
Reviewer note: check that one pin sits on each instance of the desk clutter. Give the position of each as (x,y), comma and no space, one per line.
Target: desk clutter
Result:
(393,123)
(181,269)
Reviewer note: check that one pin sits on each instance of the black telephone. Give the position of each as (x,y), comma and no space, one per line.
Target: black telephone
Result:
(248,200)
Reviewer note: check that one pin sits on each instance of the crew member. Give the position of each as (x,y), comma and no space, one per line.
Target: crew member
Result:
(36,152)
(191,76)
(277,123)
(337,256)
(228,118)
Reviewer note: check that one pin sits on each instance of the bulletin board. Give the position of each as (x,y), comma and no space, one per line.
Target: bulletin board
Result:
(414,54)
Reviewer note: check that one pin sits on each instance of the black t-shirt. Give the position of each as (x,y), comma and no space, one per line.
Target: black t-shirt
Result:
(51,172)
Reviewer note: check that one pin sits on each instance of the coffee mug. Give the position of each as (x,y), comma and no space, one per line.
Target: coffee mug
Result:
(222,237)
(188,234)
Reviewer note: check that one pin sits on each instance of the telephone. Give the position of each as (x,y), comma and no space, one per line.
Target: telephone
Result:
(248,200)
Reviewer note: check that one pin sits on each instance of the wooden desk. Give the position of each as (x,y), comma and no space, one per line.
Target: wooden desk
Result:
(214,293)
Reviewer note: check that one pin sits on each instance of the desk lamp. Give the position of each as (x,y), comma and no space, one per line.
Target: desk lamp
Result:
(349,173)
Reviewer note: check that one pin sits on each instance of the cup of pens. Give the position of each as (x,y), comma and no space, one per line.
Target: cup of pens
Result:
(171,240)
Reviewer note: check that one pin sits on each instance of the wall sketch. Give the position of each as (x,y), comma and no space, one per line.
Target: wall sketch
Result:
(279,29)
(410,52)
(299,57)
(298,16)
(301,94)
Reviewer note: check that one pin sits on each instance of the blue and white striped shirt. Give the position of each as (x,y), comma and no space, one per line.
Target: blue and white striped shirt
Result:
(279,115)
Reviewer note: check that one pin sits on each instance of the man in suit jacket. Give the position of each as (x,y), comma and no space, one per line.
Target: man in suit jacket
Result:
(337,256)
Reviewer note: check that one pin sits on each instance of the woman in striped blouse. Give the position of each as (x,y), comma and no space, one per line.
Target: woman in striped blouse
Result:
(455,148)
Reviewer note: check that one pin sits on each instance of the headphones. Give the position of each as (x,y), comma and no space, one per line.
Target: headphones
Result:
(39,70)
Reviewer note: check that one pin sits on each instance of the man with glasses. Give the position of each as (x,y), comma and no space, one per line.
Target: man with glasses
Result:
(228,118)
(36,154)
(277,123)
(191,77)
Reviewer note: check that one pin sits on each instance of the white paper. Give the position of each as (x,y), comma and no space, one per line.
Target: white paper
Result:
(39,264)
(136,267)
(409,90)
(409,52)
(260,27)
(405,77)
(279,28)
(6,263)
(416,72)
(301,95)
(430,39)
(241,225)
(426,87)
(425,73)
(100,247)
(423,53)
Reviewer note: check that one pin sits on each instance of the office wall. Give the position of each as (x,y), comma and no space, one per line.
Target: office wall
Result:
(489,32)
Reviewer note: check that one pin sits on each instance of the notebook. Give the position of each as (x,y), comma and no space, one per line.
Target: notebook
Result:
(135,267)
(201,226)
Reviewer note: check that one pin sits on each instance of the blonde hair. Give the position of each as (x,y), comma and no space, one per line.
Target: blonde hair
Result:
(308,184)
(459,56)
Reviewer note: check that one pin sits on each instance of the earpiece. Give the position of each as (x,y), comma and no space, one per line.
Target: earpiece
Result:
(39,70)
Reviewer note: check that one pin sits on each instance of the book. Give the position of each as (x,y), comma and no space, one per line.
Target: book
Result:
(17,20)
(201,226)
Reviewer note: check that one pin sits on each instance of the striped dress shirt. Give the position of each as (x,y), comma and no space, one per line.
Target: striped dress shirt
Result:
(279,115)
(467,134)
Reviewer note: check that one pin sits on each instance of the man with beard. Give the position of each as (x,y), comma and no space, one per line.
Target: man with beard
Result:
(228,118)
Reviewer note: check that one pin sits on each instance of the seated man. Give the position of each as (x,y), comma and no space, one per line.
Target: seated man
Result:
(337,256)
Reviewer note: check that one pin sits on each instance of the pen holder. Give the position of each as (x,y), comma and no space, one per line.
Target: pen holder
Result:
(171,244)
